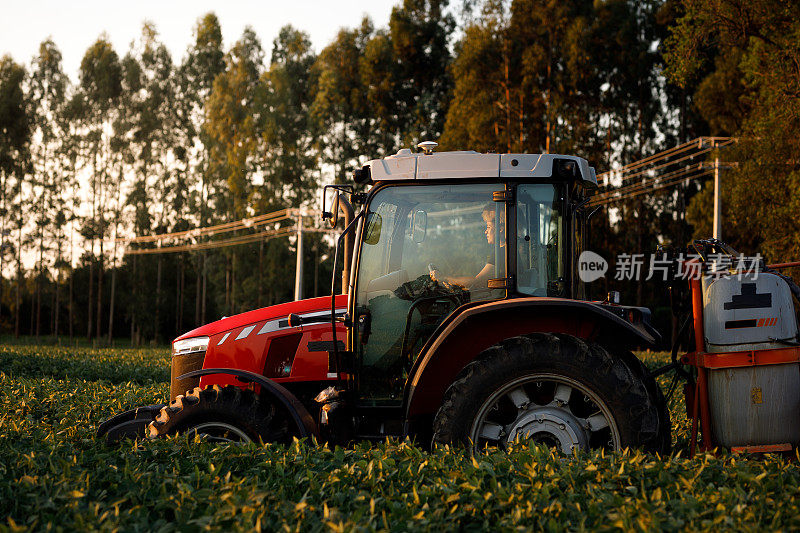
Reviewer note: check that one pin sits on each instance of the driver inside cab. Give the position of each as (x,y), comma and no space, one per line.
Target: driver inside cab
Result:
(495,231)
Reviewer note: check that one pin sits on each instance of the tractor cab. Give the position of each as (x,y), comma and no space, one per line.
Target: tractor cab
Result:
(434,238)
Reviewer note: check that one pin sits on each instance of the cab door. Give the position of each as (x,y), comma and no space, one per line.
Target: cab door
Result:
(425,251)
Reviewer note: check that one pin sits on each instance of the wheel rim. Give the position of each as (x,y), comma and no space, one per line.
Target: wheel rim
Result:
(548,409)
(218,432)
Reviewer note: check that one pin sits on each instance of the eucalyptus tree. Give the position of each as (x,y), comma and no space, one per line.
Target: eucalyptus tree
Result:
(289,163)
(151,90)
(378,90)
(486,112)
(100,82)
(203,62)
(420,32)
(233,137)
(73,163)
(14,162)
(523,78)
(48,96)
(742,59)
(341,106)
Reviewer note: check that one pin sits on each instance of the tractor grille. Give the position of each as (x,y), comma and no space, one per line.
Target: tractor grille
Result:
(182,364)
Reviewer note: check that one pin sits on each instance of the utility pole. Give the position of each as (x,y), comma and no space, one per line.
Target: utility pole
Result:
(298,277)
(714,142)
(717,197)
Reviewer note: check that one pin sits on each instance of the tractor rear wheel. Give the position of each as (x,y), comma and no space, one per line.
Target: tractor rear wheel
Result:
(552,389)
(222,414)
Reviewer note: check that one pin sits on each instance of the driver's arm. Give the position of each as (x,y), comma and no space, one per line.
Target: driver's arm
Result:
(477,282)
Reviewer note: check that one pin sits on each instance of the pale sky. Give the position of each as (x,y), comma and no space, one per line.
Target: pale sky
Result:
(75,25)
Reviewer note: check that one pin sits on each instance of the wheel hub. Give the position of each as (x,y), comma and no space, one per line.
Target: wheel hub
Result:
(551,426)
(550,409)
(218,432)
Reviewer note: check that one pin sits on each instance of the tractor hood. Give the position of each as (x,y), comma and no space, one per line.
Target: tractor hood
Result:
(274,312)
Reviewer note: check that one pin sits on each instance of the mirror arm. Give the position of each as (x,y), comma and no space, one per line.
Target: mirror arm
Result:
(347,231)
(346,207)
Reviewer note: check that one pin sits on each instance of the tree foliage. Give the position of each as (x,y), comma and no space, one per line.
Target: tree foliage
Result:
(145,144)
(744,57)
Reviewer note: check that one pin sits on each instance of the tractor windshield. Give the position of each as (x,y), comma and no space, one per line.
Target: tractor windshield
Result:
(425,251)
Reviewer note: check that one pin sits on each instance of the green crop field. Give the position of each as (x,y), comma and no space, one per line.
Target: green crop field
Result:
(56,476)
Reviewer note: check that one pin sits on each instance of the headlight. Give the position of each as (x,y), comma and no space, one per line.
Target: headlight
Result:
(193,345)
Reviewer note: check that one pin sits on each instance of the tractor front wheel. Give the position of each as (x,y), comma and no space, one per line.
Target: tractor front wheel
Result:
(551,389)
(222,414)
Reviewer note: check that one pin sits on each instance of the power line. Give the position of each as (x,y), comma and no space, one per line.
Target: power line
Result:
(244,239)
(655,157)
(699,173)
(713,142)
(661,161)
(622,192)
(263,235)
(226,227)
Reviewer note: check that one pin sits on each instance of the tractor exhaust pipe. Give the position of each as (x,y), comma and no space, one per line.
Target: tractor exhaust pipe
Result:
(346,208)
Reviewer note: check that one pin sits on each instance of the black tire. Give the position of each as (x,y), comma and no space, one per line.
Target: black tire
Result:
(664,440)
(223,414)
(606,382)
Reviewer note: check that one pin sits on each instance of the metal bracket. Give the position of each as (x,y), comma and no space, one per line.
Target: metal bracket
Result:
(501,283)
(506,195)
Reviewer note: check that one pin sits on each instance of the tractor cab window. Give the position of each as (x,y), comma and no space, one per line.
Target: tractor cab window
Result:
(540,263)
(426,250)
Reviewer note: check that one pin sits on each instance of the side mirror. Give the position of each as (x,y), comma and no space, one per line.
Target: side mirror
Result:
(373,232)
(334,218)
(419,226)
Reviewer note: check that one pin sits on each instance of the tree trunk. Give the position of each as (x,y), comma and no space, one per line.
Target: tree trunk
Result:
(18,298)
(233,284)
(640,227)
(133,302)
(507,94)
(316,267)
(2,232)
(39,284)
(90,305)
(98,333)
(260,271)
(227,286)
(205,287)
(51,322)
(31,326)
(157,325)
(197,289)
(111,304)
(56,304)
(179,298)
(71,303)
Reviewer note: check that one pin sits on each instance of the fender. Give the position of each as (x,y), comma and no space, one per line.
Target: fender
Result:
(456,343)
(129,424)
(305,423)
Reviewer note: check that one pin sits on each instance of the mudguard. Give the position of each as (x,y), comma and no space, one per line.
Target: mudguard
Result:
(130,424)
(465,334)
(302,418)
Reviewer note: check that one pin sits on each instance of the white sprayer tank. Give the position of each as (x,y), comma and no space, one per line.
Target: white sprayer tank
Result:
(756,405)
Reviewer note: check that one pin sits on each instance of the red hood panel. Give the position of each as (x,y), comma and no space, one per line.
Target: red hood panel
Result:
(322,303)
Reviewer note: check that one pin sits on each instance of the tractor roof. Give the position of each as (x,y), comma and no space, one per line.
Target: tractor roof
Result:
(406,165)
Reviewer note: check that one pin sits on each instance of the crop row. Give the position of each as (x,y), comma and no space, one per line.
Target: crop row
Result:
(56,475)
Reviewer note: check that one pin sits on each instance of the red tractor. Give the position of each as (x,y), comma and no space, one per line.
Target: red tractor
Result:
(464,321)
